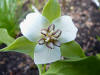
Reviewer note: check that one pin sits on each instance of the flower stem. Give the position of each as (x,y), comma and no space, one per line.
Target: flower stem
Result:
(44,68)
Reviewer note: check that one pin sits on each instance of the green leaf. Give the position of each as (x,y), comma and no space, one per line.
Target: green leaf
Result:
(4,37)
(40,67)
(72,50)
(22,45)
(52,10)
(98,55)
(98,38)
(88,66)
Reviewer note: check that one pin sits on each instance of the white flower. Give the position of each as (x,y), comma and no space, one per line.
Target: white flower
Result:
(48,36)
(96,2)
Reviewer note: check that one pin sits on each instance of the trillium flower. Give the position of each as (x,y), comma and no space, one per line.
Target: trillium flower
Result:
(96,2)
(49,36)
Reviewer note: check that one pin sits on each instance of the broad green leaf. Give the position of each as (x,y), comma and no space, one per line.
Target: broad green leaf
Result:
(88,66)
(72,50)
(22,45)
(4,37)
(52,10)
(0,42)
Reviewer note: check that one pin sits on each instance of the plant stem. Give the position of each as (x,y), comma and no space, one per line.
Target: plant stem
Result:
(44,68)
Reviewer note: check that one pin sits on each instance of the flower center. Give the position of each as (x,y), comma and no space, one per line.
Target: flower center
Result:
(50,37)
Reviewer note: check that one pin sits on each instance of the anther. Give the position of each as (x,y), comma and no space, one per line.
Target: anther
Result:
(44,32)
(57,33)
(51,27)
(57,43)
(50,45)
(41,41)
(53,38)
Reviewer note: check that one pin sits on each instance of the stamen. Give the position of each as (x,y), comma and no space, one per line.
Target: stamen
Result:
(41,41)
(50,38)
(57,43)
(51,27)
(53,38)
(50,33)
(57,33)
(50,45)
(44,32)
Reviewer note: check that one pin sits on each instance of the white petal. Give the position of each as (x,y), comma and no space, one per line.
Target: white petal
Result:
(35,9)
(32,25)
(67,27)
(96,2)
(44,55)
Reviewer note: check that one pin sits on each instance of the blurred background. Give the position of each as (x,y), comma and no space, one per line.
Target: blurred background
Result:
(85,14)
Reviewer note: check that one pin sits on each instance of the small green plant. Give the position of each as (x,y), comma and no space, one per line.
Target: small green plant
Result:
(11,12)
(8,18)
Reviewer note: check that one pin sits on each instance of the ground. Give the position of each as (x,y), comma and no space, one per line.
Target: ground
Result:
(86,17)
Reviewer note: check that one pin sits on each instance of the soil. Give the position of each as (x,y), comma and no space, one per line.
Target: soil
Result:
(86,17)
(13,63)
